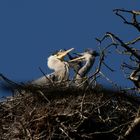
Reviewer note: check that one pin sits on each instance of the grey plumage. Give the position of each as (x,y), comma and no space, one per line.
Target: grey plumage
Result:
(61,69)
(88,59)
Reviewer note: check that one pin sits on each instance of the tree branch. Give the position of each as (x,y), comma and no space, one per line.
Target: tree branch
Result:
(134,14)
(129,49)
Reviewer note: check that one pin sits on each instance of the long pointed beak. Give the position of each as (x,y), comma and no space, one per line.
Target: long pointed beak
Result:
(77,59)
(65,53)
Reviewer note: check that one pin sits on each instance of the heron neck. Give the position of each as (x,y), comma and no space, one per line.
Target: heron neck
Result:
(85,69)
(61,68)
(63,72)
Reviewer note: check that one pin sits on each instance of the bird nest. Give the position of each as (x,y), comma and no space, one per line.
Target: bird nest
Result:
(69,113)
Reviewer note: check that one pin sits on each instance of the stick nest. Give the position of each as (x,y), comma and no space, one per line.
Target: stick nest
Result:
(69,113)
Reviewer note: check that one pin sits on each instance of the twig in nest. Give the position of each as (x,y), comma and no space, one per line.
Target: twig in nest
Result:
(51,82)
(44,96)
(133,125)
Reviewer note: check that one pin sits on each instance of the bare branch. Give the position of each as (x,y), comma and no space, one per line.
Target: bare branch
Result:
(129,49)
(134,14)
(133,41)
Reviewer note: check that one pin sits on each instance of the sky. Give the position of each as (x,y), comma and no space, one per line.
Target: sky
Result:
(31,30)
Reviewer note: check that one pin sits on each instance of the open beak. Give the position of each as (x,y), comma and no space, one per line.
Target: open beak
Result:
(64,53)
(77,59)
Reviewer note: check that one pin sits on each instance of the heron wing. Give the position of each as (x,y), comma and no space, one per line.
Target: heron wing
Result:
(46,79)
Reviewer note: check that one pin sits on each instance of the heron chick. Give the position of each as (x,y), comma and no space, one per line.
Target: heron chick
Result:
(61,68)
(88,59)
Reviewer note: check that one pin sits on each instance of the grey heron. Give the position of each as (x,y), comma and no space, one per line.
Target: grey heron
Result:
(55,62)
(61,68)
(88,58)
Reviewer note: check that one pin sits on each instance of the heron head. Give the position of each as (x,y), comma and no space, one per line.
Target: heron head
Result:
(94,53)
(62,53)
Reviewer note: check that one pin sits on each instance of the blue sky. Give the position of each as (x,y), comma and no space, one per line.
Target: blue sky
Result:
(30,30)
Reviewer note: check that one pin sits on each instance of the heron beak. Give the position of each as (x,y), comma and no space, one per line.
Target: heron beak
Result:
(64,53)
(77,59)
